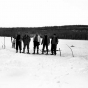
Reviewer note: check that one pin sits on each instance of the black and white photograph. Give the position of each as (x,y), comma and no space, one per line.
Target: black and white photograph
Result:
(43,44)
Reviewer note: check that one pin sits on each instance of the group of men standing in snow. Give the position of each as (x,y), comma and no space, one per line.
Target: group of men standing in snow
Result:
(36,42)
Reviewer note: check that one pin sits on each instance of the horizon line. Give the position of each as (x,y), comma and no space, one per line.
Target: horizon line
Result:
(47,26)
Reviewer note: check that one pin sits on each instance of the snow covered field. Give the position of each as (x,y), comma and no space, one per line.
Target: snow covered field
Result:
(45,71)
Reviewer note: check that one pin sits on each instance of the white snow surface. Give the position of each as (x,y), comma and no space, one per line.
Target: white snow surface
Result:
(44,71)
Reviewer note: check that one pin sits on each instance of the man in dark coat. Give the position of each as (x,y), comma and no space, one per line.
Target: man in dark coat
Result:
(26,41)
(18,42)
(36,41)
(54,42)
(45,42)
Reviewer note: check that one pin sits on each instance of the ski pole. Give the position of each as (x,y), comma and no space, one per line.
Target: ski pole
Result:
(71,50)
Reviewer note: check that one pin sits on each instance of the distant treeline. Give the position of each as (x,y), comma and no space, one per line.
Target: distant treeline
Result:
(63,32)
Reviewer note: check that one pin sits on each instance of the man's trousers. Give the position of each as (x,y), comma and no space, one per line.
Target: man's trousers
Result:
(53,49)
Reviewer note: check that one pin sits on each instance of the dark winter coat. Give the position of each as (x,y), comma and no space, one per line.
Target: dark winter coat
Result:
(26,39)
(18,38)
(37,38)
(54,40)
(46,40)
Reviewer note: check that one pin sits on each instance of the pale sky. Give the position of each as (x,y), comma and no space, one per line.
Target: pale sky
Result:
(38,13)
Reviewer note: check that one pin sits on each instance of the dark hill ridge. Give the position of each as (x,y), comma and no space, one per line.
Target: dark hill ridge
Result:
(63,32)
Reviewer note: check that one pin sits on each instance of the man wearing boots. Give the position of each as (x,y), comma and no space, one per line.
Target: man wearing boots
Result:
(18,42)
(26,41)
(54,42)
(36,41)
(45,42)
